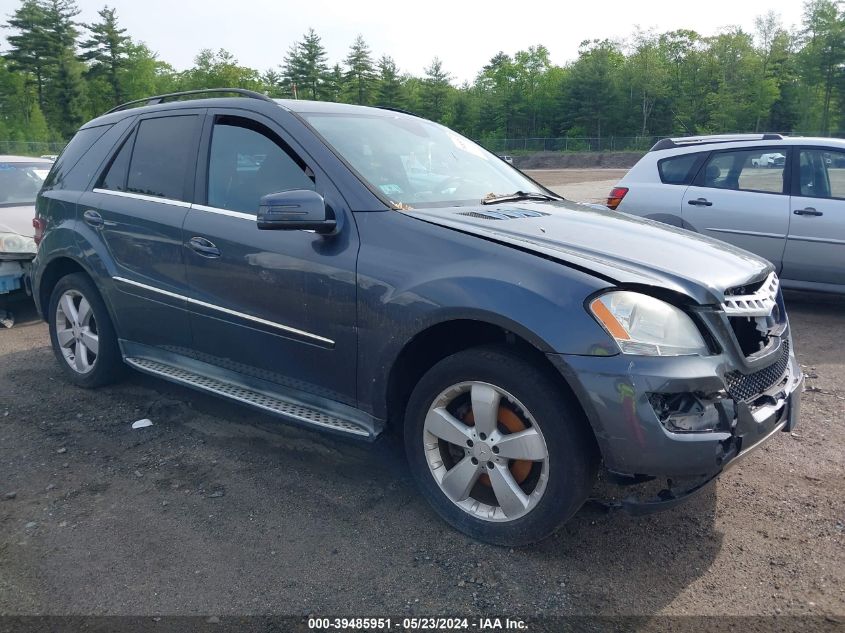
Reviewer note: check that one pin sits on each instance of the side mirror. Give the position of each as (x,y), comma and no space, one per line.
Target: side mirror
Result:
(294,210)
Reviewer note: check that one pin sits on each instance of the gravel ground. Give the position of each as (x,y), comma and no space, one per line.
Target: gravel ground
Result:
(581,185)
(216,509)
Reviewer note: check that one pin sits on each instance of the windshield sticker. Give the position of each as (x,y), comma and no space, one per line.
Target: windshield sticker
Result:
(390,190)
(464,145)
(41,173)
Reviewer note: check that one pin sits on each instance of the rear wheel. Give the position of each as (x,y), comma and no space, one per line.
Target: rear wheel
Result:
(82,333)
(497,448)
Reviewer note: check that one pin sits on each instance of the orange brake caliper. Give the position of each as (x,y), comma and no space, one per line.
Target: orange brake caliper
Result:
(510,420)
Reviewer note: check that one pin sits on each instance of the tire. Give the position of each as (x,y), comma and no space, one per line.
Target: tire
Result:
(557,482)
(96,365)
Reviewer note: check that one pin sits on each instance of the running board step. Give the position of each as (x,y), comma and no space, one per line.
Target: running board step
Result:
(299,412)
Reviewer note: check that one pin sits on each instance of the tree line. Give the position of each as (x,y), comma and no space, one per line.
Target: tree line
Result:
(58,72)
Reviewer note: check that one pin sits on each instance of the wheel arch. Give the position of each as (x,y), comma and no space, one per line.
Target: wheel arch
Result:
(442,339)
(53,271)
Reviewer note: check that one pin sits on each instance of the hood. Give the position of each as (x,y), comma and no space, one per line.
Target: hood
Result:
(17,220)
(620,248)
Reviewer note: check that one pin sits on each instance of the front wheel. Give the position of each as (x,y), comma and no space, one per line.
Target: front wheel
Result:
(497,448)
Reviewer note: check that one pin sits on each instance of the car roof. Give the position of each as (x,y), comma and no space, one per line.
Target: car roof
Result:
(305,106)
(299,106)
(8,158)
(786,141)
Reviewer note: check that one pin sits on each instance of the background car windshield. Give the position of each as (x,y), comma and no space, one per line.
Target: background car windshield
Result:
(20,182)
(416,162)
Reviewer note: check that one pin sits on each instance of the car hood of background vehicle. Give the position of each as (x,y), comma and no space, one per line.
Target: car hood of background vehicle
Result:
(621,248)
(17,220)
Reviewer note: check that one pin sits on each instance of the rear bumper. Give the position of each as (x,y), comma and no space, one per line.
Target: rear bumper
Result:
(615,393)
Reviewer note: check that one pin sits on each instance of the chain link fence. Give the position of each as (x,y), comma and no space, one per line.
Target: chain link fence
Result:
(30,148)
(570,144)
(593,143)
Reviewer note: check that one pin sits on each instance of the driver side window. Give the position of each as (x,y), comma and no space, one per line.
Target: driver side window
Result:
(821,173)
(246,162)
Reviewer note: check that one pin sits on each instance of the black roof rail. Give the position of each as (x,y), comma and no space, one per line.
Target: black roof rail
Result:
(687,141)
(156,99)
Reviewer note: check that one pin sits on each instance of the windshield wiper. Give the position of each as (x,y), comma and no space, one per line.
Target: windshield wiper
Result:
(492,198)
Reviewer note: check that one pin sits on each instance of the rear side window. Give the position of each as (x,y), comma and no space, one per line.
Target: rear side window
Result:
(679,170)
(162,153)
(745,170)
(73,151)
(115,176)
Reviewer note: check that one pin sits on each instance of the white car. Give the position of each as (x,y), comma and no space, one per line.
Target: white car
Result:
(21,178)
(792,213)
(775,159)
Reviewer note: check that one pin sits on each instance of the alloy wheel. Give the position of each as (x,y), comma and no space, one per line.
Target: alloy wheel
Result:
(76,331)
(485,451)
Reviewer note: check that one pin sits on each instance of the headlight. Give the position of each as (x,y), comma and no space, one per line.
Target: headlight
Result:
(12,243)
(646,326)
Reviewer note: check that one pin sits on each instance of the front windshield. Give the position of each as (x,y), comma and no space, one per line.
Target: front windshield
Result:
(20,182)
(415,162)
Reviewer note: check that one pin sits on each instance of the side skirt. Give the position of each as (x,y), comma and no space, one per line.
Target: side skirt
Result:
(301,409)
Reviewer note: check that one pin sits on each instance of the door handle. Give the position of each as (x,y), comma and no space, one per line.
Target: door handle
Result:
(92,218)
(700,202)
(203,247)
(807,211)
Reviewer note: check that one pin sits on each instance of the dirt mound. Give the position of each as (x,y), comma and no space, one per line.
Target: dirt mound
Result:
(574,160)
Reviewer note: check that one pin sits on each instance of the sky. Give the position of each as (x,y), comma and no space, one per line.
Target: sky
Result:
(464,34)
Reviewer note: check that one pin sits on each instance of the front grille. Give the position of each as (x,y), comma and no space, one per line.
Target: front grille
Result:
(747,387)
(752,300)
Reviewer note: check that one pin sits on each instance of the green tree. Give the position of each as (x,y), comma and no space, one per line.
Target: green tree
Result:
(107,50)
(219,70)
(434,91)
(36,125)
(273,83)
(591,97)
(773,45)
(305,67)
(821,59)
(647,76)
(360,75)
(687,83)
(67,96)
(335,86)
(16,102)
(65,100)
(31,51)
(389,84)
(740,91)
(145,74)
(530,69)
(500,97)
(465,114)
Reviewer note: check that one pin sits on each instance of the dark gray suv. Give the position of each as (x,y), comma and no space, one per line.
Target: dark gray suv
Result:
(356,269)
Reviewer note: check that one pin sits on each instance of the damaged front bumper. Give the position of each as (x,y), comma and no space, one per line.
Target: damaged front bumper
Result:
(13,273)
(679,419)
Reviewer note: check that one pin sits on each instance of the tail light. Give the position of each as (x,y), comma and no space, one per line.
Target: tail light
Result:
(40,225)
(615,197)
